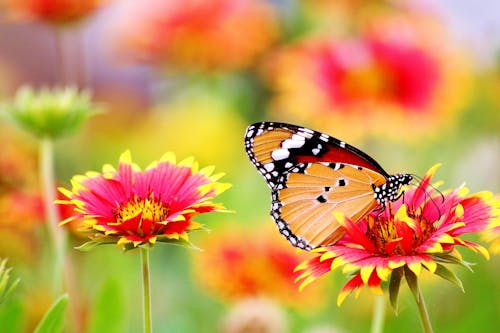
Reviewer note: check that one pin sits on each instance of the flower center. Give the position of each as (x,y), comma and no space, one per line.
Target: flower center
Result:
(392,236)
(148,209)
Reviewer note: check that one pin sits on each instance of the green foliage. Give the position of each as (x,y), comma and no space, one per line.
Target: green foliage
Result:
(108,310)
(5,287)
(53,320)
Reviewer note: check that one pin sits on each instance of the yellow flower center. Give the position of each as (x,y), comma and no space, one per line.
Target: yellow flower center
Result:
(149,209)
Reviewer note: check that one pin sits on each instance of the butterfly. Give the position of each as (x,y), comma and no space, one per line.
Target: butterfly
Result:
(312,175)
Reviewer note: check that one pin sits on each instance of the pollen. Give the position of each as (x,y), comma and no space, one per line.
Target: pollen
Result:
(147,208)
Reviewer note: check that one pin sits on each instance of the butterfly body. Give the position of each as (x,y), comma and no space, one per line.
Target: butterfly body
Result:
(312,175)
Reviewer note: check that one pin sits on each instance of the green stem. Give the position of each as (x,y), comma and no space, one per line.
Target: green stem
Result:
(422,310)
(378,315)
(146,290)
(57,235)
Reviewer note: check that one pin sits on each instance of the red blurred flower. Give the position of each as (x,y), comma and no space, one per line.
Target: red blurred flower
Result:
(241,264)
(377,82)
(417,231)
(194,34)
(133,207)
(53,11)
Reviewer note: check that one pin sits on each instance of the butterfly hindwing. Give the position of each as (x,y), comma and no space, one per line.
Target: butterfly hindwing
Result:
(276,147)
(309,193)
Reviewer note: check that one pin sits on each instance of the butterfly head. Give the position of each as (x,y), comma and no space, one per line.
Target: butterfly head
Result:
(391,189)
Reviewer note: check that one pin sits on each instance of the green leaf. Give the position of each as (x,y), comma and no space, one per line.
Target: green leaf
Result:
(394,285)
(13,316)
(450,259)
(446,274)
(109,303)
(53,320)
(85,247)
(412,281)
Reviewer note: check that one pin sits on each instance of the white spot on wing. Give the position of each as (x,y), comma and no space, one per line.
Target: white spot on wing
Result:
(280,154)
(292,143)
(269,166)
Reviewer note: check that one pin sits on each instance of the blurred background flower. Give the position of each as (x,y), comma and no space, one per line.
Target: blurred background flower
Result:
(255,315)
(240,263)
(52,11)
(194,35)
(390,79)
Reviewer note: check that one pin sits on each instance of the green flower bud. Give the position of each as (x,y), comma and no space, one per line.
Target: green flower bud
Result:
(51,113)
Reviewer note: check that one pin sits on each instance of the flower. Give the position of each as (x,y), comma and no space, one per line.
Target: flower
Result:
(492,232)
(132,207)
(372,82)
(251,264)
(18,159)
(53,11)
(22,214)
(418,231)
(51,113)
(193,34)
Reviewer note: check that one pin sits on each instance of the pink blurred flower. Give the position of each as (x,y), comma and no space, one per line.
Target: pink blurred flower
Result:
(387,80)
(195,34)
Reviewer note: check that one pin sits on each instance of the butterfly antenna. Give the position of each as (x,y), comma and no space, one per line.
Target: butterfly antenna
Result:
(428,195)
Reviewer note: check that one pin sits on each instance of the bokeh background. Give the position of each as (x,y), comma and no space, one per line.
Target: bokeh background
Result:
(410,82)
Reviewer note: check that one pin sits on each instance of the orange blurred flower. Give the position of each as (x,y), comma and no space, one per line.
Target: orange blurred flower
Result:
(53,11)
(241,264)
(207,35)
(21,213)
(391,79)
(18,160)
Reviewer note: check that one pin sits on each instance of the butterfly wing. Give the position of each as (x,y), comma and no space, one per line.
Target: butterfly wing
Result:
(309,193)
(276,147)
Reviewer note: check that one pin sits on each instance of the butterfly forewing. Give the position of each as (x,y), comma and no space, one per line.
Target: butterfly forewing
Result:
(276,147)
(311,192)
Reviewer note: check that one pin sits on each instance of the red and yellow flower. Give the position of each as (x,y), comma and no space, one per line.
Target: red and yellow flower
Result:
(132,207)
(492,233)
(193,34)
(420,231)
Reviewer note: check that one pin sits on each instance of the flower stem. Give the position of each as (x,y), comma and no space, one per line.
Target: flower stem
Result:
(57,235)
(422,310)
(378,315)
(146,290)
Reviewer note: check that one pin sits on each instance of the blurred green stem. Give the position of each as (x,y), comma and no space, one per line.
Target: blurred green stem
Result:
(378,314)
(422,310)
(57,235)
(146,290)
